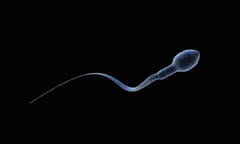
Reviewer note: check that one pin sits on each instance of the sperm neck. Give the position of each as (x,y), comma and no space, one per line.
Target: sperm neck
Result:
(166,72)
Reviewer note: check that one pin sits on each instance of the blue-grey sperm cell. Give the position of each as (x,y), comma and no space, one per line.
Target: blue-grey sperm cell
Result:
(182,62)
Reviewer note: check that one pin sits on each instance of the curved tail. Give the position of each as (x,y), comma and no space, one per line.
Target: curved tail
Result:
(142,85)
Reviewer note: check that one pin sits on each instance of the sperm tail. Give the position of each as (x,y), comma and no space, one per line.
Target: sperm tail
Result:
(116,81)
(57,86)
(145,83)
(142,85)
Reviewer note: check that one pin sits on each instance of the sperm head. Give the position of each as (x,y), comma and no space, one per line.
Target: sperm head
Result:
(186,60)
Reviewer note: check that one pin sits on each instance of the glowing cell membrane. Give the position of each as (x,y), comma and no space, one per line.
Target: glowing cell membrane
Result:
(186,60)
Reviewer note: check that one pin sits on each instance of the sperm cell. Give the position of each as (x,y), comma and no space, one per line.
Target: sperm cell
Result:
(182,62)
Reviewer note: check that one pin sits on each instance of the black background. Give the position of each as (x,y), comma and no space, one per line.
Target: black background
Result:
(129,46)
(58,43)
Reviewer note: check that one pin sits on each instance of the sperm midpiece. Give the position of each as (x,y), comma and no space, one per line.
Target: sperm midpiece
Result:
(182,62)
(166,72)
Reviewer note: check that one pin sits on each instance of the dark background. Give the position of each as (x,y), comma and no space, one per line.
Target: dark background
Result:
(129,46)
(58,43)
